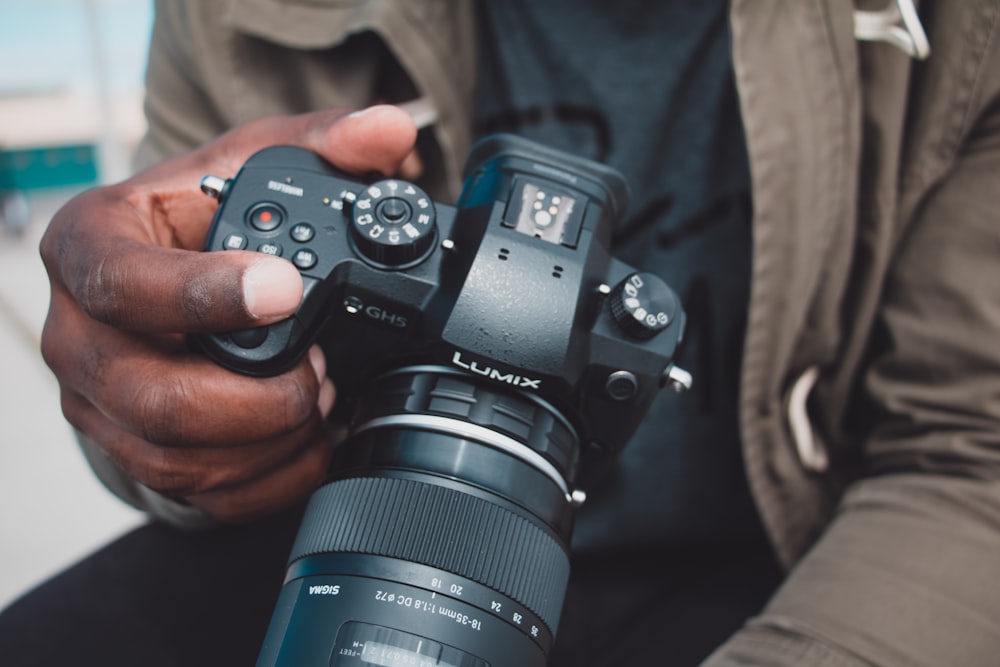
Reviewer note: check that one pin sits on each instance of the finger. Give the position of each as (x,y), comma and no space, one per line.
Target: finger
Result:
(412,166)
(178,472)
(378,138)
(277,490)
(327,397)
(327,393)
(161,393)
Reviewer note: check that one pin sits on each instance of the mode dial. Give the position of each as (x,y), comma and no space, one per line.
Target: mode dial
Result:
(643,305)
(393,223)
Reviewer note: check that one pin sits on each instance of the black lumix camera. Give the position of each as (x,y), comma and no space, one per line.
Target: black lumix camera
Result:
(477,349)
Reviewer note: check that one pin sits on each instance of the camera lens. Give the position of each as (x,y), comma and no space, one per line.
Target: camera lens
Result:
(442,540)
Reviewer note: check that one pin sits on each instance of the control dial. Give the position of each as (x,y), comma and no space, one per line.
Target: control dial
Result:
(392,223)
(643,305)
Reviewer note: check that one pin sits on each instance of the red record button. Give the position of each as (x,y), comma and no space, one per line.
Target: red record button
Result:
(266,217)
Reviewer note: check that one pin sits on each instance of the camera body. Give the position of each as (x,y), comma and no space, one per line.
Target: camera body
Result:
(515,285)
(475,348)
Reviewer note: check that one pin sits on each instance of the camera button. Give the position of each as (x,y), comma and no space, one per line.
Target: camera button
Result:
(266,217)
(621,386)
(305,259)
(250,339)
(393,210)
(273,249)
(302,232)
(234,242)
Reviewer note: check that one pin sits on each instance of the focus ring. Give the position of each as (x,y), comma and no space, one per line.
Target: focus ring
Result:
(443,528)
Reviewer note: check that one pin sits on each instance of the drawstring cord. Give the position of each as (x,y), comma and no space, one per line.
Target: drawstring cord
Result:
(898,24)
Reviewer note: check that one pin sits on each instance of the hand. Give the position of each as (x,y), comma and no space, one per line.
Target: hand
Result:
(128,281)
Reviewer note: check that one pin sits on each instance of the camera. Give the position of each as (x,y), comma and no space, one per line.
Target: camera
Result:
(480,351)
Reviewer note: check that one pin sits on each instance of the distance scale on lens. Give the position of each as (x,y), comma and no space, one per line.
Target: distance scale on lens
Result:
(393,223)
(366,644)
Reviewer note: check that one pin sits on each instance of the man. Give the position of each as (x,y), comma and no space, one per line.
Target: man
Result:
(867,399)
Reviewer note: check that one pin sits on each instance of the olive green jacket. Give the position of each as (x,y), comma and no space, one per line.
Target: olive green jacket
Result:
(870,387)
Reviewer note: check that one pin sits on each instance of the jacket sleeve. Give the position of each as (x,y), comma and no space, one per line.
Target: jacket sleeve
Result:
(179,108)
(906,573)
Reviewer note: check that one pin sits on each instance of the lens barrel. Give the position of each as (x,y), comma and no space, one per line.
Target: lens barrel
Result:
(443,539)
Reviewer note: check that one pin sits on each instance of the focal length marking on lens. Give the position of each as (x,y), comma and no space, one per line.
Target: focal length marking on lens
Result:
(475,432)
(321,573)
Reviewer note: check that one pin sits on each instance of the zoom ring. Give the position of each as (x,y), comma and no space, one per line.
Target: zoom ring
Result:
(440,527)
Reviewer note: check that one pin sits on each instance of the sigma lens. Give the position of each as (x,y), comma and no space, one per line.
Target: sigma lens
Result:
(443,539)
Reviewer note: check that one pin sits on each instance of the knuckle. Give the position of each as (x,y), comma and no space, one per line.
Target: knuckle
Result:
(61,236)
(299,403)
(161,406)
(163,474)
(100,289)
(196,301)
(74,356)
(51,346)
(72,411)
(200,300)
(82,257)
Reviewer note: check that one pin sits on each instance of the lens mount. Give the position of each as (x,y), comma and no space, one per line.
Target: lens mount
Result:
(474,432)
(444,399)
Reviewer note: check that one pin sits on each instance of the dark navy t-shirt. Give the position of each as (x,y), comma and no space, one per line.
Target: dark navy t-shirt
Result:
(647,87)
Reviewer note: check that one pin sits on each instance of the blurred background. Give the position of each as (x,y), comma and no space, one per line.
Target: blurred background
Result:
(71,77)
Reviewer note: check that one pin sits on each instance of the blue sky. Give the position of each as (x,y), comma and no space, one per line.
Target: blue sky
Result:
(47,44)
